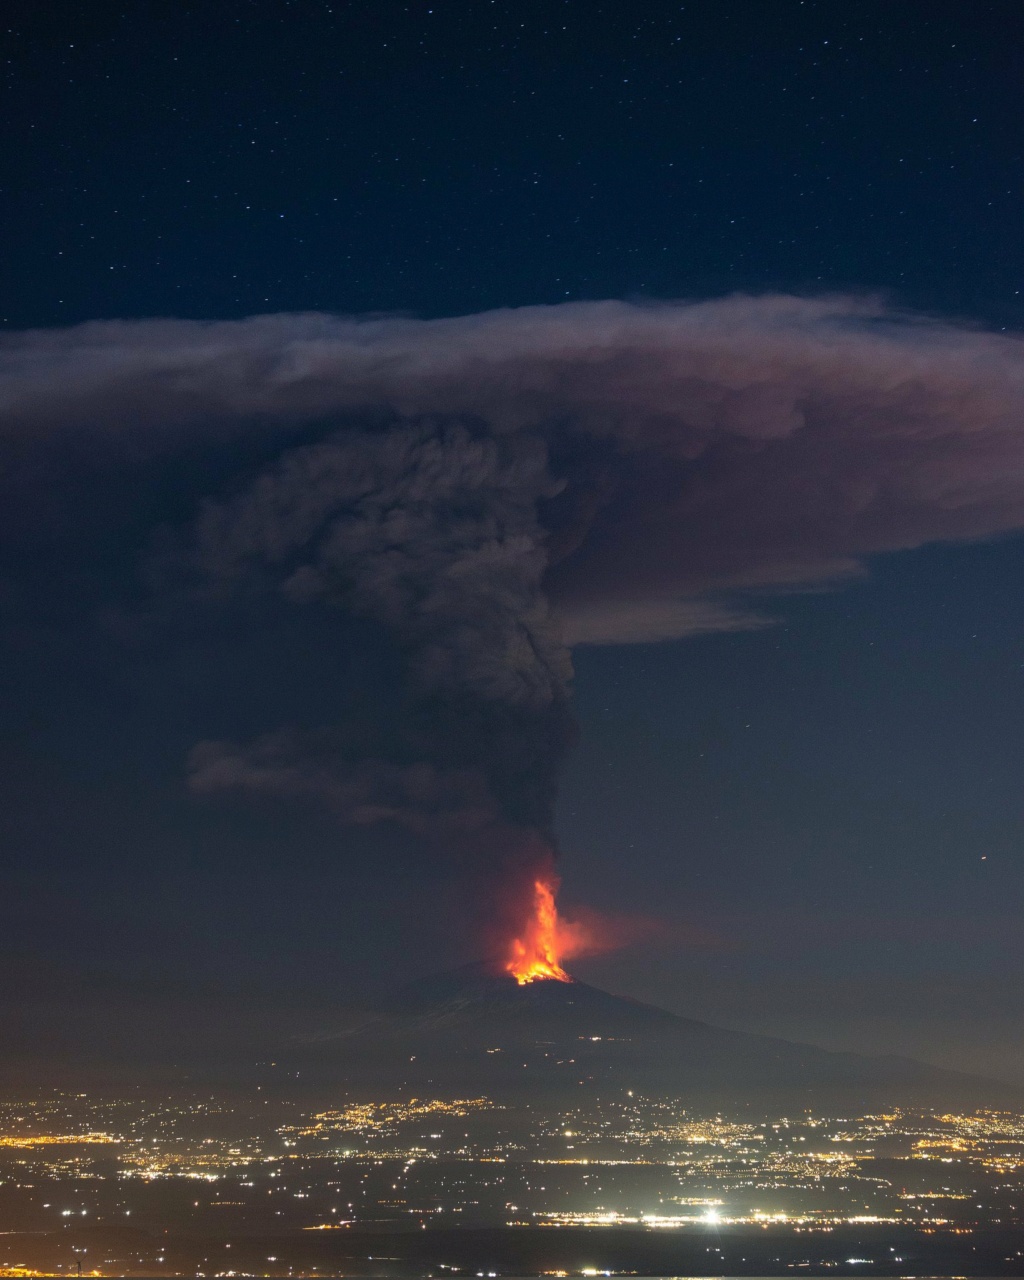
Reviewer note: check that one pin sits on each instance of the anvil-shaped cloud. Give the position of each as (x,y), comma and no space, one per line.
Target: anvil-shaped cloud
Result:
(491,490)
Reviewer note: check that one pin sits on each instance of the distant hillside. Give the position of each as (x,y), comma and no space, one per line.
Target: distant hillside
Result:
(476,1029)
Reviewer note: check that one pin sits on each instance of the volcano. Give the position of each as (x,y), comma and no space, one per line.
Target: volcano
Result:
(478,1030)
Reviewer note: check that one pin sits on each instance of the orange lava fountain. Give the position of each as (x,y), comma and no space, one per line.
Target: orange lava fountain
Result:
(534,956)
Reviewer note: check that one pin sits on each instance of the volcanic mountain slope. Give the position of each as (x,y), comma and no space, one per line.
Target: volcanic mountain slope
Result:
(476,1029)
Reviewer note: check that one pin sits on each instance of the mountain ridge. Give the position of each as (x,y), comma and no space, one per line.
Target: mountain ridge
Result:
(476,1028)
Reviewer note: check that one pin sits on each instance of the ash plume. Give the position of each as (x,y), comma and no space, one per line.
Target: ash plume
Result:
(492,490)
(432,531)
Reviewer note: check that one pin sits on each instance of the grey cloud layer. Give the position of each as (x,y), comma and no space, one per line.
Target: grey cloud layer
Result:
(493,489)
(745,442)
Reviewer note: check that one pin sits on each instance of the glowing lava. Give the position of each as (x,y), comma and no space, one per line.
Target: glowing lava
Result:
(534,956)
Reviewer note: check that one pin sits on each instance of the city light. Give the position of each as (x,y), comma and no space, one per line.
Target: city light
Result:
(620,1160)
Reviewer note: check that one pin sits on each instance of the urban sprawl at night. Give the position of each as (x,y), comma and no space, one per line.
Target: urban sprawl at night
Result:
(98,1181)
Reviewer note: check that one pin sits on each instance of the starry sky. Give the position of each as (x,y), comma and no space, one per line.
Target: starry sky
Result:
(813,828)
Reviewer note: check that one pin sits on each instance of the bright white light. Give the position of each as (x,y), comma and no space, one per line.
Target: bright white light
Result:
(712,1216)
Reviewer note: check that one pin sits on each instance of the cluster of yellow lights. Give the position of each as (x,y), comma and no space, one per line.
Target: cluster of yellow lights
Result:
(946,1144)
(712,1217)
(52,1140)
(715,1131)
(376,1115)
(29,1273)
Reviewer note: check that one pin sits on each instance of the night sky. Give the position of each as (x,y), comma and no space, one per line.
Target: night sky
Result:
(807,818)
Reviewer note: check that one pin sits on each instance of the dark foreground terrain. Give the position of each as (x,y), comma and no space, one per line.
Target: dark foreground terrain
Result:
(465,1033)
(475,1030)
(473,1127)
(525,1251)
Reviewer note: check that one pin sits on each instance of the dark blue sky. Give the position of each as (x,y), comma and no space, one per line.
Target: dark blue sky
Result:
(176,159)
(826,813)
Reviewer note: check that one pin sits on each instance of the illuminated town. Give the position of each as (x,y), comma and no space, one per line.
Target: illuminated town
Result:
(97,1184)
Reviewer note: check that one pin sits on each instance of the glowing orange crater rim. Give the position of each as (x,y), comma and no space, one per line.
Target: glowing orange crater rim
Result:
(534,956)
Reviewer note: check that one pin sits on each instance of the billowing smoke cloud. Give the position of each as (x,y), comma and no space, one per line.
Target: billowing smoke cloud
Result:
(494,489)
(418,796)
(432,531)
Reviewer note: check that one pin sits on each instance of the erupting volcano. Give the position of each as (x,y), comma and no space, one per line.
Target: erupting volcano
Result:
(534,956)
